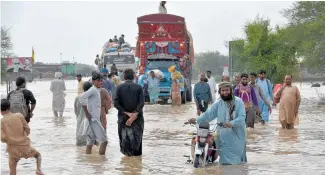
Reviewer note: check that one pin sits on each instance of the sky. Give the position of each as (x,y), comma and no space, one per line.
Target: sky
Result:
(80,29)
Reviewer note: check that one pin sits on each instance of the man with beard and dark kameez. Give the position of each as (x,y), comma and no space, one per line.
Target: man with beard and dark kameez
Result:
(129,102)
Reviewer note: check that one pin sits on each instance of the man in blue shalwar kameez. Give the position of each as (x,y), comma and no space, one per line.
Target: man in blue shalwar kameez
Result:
(231,137)
(266,87)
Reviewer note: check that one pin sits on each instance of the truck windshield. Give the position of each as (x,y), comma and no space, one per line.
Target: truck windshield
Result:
(162,64)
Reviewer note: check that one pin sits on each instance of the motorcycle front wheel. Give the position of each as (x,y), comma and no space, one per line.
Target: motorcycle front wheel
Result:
(204,161)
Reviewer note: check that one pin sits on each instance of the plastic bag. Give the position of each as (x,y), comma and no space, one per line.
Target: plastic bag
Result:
(158,73)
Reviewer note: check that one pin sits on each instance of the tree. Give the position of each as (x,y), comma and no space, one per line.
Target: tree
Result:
(307,18)
(6,46)
(270,50)
(212,61)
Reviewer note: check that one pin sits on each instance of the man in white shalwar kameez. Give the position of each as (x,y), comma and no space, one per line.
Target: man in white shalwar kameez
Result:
(92,128)
(212,84)
(58,100)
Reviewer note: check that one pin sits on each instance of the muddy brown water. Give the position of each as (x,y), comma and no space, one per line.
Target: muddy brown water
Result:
(270,150)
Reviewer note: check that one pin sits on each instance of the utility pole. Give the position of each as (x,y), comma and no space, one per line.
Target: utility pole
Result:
(230,61)
(60,58)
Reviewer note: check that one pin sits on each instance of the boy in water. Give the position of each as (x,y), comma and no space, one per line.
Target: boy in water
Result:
(14,132)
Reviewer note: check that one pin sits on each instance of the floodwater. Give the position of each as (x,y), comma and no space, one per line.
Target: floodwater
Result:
(270,150)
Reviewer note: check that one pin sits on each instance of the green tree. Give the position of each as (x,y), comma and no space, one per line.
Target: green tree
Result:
(271,50)
(307,20)
(6,46)
(213,61)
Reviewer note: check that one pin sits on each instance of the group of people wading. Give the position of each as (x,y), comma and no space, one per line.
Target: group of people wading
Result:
(91,108)
(241,104)
(258,94)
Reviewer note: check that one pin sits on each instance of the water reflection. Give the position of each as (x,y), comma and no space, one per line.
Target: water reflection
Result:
(287,135)
(223,170)
(131,165)
(59,121)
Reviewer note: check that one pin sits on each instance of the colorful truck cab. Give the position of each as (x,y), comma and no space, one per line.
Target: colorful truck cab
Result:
(162,41)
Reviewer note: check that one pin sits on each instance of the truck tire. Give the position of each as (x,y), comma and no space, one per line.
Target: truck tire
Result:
(189,94)
(183,95)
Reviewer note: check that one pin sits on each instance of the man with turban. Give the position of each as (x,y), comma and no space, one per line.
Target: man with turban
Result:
(231,136)
(58,100)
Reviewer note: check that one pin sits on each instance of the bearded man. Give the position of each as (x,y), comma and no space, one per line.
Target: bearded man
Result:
(231,131)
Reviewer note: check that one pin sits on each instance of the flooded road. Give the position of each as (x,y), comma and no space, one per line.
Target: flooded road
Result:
(270,150)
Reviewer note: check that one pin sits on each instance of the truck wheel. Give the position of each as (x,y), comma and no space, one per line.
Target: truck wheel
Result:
(183,95)
(189,94)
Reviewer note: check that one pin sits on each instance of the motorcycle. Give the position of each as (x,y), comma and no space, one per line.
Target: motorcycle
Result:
(204,151)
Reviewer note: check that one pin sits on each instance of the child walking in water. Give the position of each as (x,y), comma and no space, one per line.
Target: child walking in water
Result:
(14,132)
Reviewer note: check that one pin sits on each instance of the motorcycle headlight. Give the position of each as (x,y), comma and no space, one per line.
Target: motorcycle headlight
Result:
(203,132)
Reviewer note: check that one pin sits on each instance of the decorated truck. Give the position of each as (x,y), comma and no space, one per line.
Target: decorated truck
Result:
(163,41)
(122,57)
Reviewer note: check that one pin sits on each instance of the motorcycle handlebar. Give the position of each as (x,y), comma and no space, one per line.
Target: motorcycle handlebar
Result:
(186,123)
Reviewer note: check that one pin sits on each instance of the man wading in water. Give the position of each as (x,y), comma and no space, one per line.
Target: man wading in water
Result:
(21,98)
(58,100)
(91,104)
(129,102)
(246,92)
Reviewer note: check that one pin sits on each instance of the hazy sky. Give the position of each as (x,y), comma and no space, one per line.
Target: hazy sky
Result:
(80,29)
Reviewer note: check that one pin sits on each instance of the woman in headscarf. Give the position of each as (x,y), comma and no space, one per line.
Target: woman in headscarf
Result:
(58,88)
(153,87)
(80,114)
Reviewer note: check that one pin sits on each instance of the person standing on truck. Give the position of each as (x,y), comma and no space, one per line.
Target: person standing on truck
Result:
(115,39)
(21,98)
(162,8)
(121,41)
